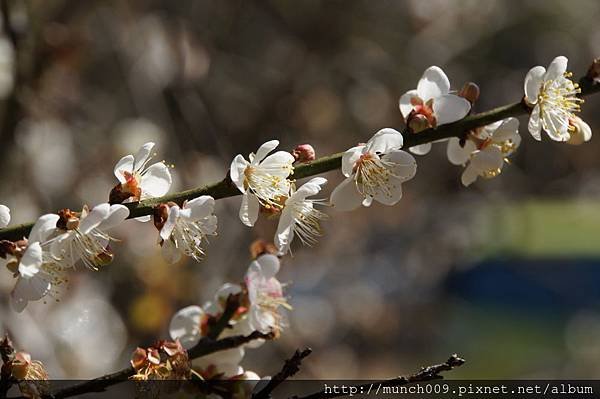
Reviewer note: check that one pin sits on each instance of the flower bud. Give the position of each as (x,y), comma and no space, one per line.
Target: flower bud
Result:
(68,220)
(260,247)
(579,131)
(304,153)
(470,92)
(161,213)
(418,122)
(594,71)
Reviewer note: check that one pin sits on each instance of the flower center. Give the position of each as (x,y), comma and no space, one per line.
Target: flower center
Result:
(268,188)
(373,175)
(558,97)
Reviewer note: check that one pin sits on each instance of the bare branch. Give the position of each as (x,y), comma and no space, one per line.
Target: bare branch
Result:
(205,347)
(290,368)
(425,374)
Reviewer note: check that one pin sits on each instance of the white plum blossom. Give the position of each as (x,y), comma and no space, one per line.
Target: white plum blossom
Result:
(265,295)
(36,274)
(263,180)
(187,227)
(188,326)
(553,96)
(4,216)
(300,217)
(485,149)
(374,171)
(431,104)
(82,236)
(137,180)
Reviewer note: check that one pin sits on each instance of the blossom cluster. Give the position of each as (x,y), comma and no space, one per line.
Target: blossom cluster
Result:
(373,171)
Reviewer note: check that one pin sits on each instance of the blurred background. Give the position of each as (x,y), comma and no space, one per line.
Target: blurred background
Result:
(505,273)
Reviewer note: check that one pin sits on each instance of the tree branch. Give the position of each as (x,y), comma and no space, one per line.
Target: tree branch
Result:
(205,347)
(226,188)
(425,374)
(290,367)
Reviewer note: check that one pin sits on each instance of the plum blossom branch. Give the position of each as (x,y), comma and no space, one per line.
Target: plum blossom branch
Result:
(289,369)
(226,188)
(425,374)
(205,347)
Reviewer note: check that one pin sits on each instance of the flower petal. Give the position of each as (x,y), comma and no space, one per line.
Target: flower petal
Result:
(268,265)
(535,124)
(384,141)
(349,159)
(582,133)
(263,150)
(469,175)
(26,290)
(141,157)
(458,155)
(487,160)
(167,229)
(227,289)
(4,216)
(116,215)
(345,197)
(185,326)
(533,84)
(31,261)
(236,171)
(125,164)
(200,207)
(310,188)
(43,227)
(450,108)
(556,125)
(405,104)
(405,165)
(285,231)
(392,194)
(249,209)
(94,218)
(421,149)
(278,164)
(508,129)
(156,181)
(557,68)
(434,83)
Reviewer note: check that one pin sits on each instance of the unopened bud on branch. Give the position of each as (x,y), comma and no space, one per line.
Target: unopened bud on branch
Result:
(470,92)
(304,153)
(594,71)
(260,247)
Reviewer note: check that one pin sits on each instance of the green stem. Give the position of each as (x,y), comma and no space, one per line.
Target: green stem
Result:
(226,188)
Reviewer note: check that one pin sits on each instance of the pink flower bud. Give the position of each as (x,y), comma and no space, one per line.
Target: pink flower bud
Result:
(470,92)
(304,153)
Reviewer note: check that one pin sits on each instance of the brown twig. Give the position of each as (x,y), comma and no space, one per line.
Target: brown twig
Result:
(425,374)
(206,346)
(290,367)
